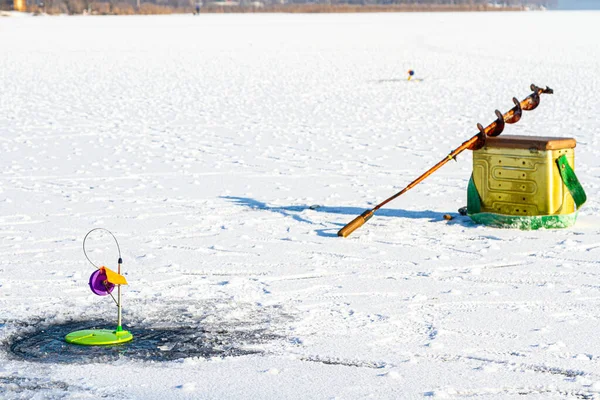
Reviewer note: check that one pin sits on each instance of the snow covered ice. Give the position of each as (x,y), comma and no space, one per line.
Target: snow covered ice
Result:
(226,151)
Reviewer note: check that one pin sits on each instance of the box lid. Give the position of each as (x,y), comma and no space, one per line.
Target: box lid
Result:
(530,142)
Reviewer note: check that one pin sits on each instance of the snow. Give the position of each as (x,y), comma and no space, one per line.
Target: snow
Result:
(226,151)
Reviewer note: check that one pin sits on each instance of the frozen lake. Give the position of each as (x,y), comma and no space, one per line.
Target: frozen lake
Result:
(226,151)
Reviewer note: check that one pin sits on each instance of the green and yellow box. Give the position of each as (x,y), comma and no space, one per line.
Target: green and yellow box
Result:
(520,181)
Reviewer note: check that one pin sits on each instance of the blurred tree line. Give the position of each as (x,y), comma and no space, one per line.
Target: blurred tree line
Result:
(106,7)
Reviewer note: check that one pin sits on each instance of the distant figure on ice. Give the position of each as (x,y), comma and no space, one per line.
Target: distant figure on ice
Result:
(198,5)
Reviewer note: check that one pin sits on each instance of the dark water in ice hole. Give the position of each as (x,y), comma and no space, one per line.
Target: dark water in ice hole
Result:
(47,344)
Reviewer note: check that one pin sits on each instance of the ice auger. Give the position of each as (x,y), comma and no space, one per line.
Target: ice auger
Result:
(476,142)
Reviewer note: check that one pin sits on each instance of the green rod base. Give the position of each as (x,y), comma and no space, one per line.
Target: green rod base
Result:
(98,337)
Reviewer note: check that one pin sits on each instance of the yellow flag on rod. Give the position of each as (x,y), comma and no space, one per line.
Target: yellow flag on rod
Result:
(113,277)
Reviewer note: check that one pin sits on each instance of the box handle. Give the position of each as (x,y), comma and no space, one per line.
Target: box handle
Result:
(570,180)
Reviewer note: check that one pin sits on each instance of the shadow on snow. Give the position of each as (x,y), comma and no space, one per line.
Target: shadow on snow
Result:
(294,213)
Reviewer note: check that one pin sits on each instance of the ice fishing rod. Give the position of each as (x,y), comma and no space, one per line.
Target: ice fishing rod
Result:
(102,282)
(476,142)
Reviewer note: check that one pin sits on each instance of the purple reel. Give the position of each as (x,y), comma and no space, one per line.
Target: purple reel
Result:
(98,285)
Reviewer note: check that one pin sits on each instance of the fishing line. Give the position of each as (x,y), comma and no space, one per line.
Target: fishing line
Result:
(111,234)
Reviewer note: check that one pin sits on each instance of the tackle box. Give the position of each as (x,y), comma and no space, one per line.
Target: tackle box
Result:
(520,176)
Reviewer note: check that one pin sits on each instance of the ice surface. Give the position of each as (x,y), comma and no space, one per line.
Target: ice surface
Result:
(204,144)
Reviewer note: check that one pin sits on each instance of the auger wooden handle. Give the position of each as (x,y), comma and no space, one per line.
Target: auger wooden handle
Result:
(355,223)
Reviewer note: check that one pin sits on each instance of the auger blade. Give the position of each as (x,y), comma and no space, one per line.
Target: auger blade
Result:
(533,100)
(538,89)
(514,114)
(496,127)
(480,142)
